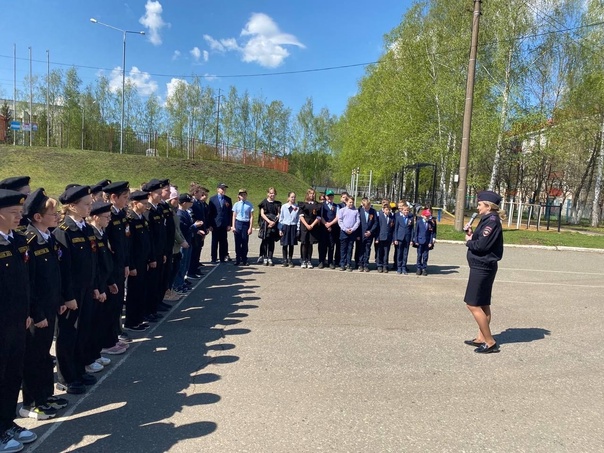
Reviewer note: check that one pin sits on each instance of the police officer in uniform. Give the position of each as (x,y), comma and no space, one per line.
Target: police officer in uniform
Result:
(485,249)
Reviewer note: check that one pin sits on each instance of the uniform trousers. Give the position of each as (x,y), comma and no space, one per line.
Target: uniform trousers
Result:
(242,240)
(136,298)
(154,287)
(112,316)
(327,245)
(195,254)
(383,252)
(12,350)
(346,245)
(38,374)
(220,243)
(364,251)
(423,252)
(402,252)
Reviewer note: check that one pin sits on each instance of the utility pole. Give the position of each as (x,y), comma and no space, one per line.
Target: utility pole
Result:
(31,101)
(47,98)
(217,121)
(460,202)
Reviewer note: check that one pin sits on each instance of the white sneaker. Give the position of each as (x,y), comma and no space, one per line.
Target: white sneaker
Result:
(309,265)
(94,367)
(114,350)
(270,262)
(303,265)
(265,262)
(103,361)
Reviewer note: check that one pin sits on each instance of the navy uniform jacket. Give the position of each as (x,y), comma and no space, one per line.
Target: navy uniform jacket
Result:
(403,227)
(118,232)
(157,224)
(187,225)
(170,227)
(371,224)
(486,246)
(44,275)
(141,250)
(220,216)
(199,211)
(105,275)
(386,227)
(14,284)
(78,257)
(424,232)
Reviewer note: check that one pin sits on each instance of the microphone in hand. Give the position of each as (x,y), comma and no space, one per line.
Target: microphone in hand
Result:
(470,222)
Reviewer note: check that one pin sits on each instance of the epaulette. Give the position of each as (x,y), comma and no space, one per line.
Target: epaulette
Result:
(31,235)
(64,227)
(20,232)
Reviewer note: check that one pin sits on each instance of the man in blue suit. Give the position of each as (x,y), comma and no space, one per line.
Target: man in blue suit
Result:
(367,231)
(220,216)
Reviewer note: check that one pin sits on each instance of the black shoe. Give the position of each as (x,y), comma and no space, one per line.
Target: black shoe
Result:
(151,318)
(342,268)
(332,266)
(285,264)
(321,265)
(472,343)
(57,403)
(75,388)
(138,328)
(385,270)
(88,379)
(484,349)
(419,272)
(424,272)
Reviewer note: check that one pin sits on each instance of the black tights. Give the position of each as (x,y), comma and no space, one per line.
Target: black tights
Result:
(267,248)
(288,252)
(306,252)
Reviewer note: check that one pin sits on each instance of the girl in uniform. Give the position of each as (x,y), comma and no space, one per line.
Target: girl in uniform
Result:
(310,219)
(269,233)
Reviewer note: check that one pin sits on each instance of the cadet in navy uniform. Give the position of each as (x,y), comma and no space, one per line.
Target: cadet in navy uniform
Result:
(77,244)
(118,233)
(368,230)
(331,232)
(403,230)
(424,237)
(383,239)
(157,224)
(18,184)
(220,213)
(14,304)
(485,249)
(46,301)
(170,225)
(198,212)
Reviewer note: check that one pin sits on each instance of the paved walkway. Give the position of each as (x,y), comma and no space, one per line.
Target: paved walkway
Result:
(262,359)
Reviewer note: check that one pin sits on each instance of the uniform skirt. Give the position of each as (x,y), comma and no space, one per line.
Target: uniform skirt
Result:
(309,236)
(289,235)
(480,286)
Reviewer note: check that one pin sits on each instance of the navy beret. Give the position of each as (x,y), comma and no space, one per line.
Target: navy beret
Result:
(10,198)
(138,195)
(35,203)
(117,187)
(152,185)
(488,195)
(74,193)
(15,183)
(99,207)
(164,182)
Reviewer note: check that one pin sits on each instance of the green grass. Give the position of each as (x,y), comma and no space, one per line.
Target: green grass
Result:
(54,168)
(532,237)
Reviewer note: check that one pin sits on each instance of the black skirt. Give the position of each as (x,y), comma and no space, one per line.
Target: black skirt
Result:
(480,286)
(290,233)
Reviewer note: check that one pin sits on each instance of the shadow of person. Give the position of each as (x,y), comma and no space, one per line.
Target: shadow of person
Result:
(443,270)
(521,335)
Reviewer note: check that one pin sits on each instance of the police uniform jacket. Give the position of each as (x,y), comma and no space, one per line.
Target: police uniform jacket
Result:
(118,233)
(403,227)
(369,222)
(141,250)
(486,246)
(78,257)
(44,275)
(105,275)
(386,227)
(157,224)
(14,283)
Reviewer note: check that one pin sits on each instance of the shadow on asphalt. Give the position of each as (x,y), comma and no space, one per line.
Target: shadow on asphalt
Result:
(164,376)
(521,335)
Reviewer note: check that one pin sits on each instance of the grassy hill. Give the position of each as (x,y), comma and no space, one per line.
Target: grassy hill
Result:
(53,168)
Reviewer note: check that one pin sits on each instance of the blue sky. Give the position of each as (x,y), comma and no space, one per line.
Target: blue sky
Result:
(216,39)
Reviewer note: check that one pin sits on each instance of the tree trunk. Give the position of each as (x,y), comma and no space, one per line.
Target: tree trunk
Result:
(595,208)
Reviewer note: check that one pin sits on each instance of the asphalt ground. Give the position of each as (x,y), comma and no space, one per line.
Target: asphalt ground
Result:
(269,359)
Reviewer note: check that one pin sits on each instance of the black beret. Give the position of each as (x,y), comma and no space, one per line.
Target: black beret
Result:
(152,185)
(164,182)
(138,195)
(69,186)
(15,183)
(35,203)
(74,193)
(185,198)
(10,198)
(98,207)
(488,195)
(117,187)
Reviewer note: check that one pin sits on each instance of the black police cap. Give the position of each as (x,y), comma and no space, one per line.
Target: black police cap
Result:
(152,185)
(35,203)
(489,195)
(15,182)
(138,195)
(117,187)
(99,207)
(10,198)
(74,193)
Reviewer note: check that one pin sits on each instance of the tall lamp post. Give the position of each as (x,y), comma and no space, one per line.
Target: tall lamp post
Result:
(124,32)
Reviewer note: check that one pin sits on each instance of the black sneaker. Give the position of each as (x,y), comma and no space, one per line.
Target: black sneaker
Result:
(56,402)
(88,379)
(138,328)
(75,388)
(41,412)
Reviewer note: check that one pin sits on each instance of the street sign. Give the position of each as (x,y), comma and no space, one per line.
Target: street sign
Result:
(15,126)
(29,127)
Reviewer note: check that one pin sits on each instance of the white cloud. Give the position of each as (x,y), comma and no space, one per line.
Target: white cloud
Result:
(153,21)
(176,55)
(206,55)
(195,53)
(145,86)
(262,42)
(172,85)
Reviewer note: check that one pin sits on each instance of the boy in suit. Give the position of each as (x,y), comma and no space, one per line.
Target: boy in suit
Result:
(384,238)
(424,237)
(367,232)
(403,230)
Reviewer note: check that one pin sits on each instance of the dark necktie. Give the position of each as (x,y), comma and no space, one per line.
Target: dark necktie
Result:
(291,208)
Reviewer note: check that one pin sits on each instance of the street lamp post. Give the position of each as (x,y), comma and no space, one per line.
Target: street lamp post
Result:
(124,32)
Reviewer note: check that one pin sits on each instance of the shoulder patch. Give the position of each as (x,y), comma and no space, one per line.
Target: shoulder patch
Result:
(487,230)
